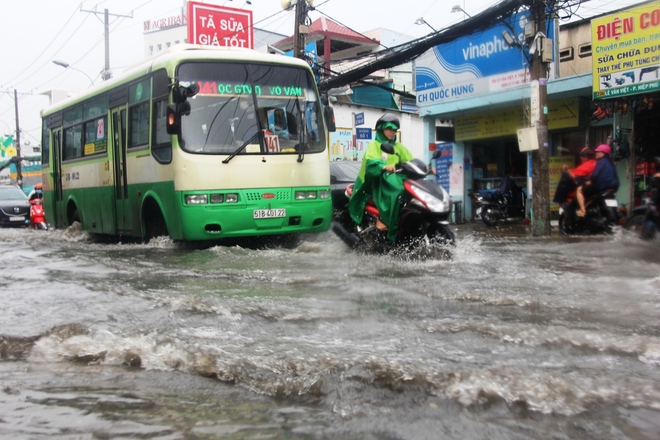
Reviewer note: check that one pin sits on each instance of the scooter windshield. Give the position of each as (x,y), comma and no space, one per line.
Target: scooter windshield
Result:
(275,109)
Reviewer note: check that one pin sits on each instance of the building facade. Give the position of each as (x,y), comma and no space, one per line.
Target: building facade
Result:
(481,84)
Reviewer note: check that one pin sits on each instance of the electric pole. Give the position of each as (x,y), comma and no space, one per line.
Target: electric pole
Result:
(107,73)
(19,171)
(300,29)
(539,119)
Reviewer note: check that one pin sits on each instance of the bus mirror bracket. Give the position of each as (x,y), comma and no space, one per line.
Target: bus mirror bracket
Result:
(181,94)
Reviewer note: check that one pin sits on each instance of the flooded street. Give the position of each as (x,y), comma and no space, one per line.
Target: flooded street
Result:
(514,338)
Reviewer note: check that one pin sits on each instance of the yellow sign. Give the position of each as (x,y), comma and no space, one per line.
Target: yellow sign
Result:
(626,52)
(561,114)
(555,164)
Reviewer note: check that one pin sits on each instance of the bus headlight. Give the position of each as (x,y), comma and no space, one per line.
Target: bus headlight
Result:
(196,199)
(324,194)
(231,198)
(305,195)
(217,198)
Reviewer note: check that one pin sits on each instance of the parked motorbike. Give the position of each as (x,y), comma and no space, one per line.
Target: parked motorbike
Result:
(602,214)
(37,215)
(425,208)
(505,204)
(644,220)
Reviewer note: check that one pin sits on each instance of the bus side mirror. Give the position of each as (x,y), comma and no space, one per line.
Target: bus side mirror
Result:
(329,116)
(174,113)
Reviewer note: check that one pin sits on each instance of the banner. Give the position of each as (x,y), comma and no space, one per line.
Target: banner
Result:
(212,25)
(626,52)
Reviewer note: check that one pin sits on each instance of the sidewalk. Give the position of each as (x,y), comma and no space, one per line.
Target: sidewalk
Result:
(512,229)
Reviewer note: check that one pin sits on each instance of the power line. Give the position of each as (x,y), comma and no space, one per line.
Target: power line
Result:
(43,51)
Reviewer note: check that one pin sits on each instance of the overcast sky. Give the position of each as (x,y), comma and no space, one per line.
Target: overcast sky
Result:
(35,32)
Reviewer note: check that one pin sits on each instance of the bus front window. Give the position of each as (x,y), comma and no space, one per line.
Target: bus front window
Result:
(238,101)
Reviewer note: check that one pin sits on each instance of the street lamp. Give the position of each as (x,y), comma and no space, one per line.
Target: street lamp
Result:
(457,8)
(67,66)
(421,21)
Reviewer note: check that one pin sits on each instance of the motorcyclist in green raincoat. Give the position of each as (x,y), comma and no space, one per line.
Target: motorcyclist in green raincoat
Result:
(377,179)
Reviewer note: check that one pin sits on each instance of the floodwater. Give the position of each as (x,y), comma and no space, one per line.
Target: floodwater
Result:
(513,338)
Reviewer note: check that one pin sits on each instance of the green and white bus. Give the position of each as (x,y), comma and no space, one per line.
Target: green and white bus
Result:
(198,143)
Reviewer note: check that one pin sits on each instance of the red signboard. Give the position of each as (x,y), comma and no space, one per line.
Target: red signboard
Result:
(212,25)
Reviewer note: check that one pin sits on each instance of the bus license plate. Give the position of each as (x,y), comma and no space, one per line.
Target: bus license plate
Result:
(612,203)
(17,219)
(269,213)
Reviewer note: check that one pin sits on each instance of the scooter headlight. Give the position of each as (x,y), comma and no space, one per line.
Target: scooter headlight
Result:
(431,202)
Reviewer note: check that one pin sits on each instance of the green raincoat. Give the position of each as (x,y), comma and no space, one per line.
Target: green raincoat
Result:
(385,188)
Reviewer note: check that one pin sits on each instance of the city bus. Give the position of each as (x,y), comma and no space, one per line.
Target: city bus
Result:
(196,143)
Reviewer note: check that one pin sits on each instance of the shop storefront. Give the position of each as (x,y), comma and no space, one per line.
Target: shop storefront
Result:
(617,103)
(626,87)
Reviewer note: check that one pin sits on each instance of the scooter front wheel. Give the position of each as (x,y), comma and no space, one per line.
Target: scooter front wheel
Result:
(566,227)
(489,216)
(637,225)
(442,235)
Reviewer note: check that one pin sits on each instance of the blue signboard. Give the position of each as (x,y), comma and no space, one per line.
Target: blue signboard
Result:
(363,133)
(477,64)
(444,155)
(359,119)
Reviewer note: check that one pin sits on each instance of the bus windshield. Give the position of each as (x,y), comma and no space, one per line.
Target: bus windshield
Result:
(274,108)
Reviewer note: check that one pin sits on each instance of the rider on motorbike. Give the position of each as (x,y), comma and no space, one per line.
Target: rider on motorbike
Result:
(37,192)
(580,173)
(603,178)
(377,179)
(572,178)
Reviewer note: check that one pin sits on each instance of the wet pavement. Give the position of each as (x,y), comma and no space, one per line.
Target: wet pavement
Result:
(514,337)
(513,229)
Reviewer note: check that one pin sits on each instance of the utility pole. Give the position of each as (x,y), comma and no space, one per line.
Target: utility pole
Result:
(19,171)
(107,73)
(300,29)
(539,111)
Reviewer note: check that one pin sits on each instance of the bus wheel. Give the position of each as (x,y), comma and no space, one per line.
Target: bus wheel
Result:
(154,223)
(74,216)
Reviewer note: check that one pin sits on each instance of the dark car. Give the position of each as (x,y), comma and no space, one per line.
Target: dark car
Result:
(342,173)
(14,206)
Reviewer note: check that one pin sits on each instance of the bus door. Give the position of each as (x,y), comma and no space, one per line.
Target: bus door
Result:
(59,211)
(122,203)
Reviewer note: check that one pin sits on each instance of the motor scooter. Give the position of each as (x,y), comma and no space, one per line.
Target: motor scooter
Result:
(505,204)
(423,216)
(37,215)
(602,214)
(644,220)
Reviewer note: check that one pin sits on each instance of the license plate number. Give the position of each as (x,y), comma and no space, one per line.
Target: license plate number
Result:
(269,213)
(612,203)
(18,218)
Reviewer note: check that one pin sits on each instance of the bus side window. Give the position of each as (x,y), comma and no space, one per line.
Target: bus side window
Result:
(138,125)
(72,142)
(162,145)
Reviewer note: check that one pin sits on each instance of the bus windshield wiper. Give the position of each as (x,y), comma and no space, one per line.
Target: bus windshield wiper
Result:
(241,148)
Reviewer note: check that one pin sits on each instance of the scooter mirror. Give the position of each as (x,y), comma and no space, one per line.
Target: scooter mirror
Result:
(387,148)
